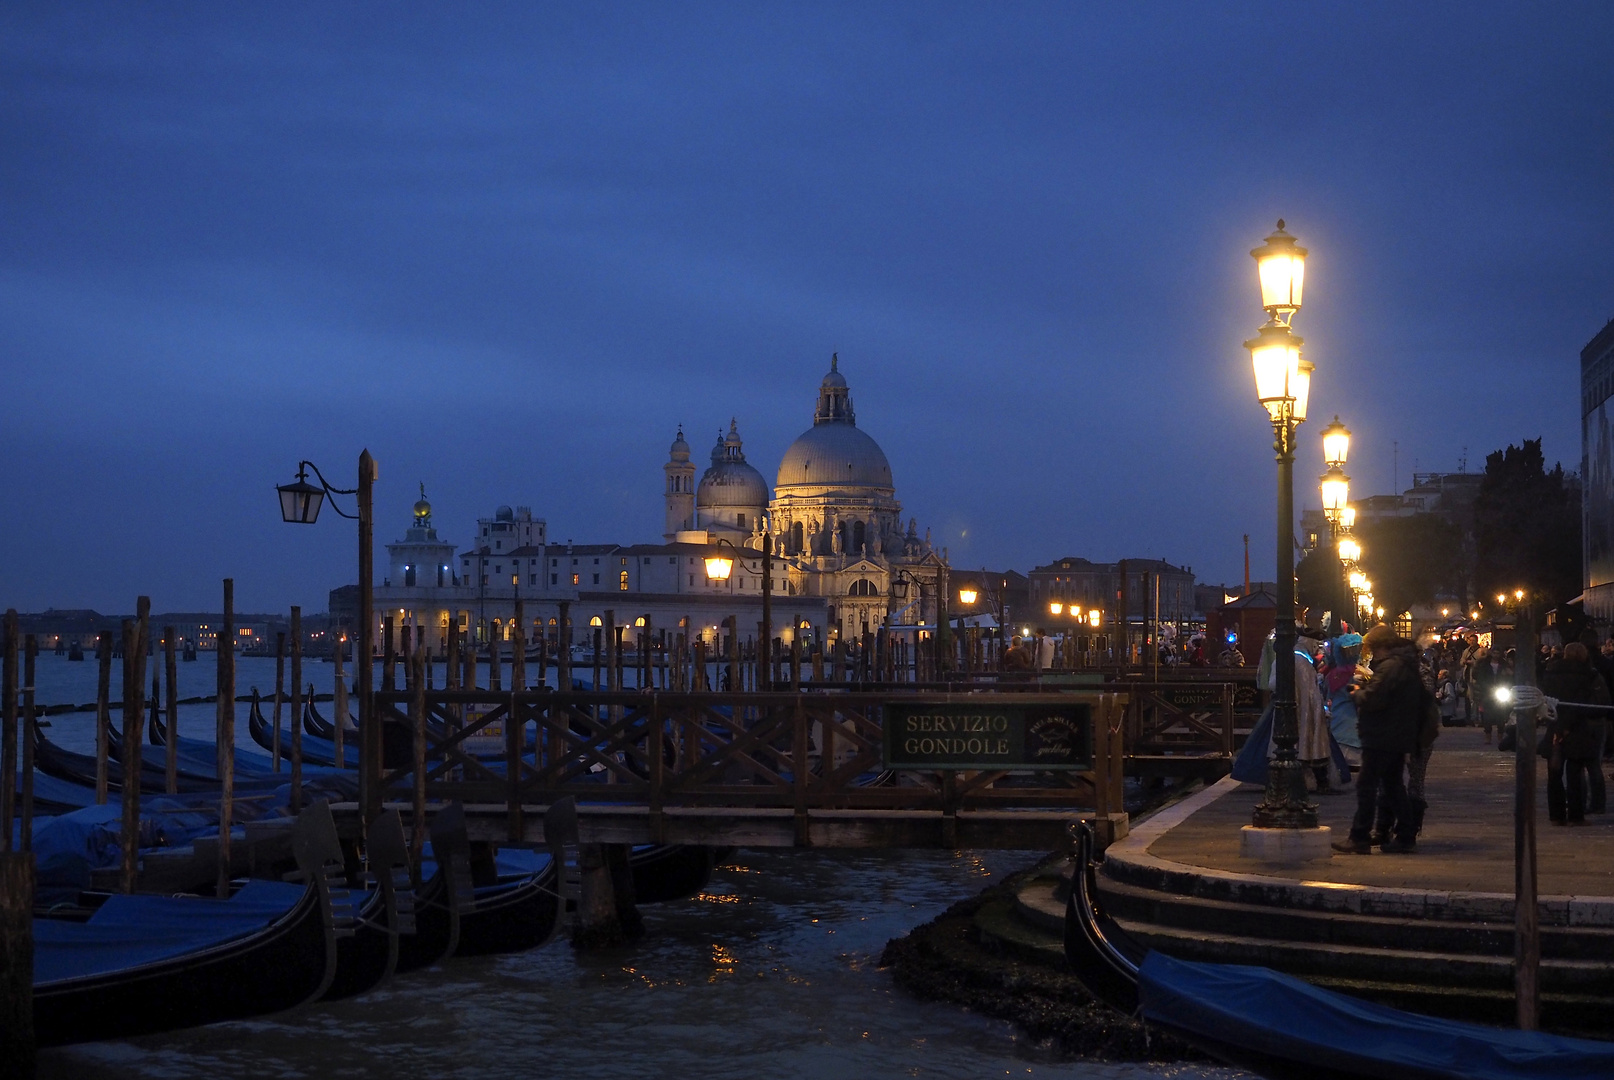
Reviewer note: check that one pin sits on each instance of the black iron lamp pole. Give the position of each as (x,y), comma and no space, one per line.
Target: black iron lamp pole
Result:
(300,504)
(1283,383)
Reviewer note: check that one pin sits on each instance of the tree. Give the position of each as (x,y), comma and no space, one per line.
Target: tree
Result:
(1411,560)
(1318,583)
(1527,527)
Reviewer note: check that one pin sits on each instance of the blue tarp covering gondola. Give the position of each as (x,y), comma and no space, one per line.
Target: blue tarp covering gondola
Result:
(1279,1018)
(132,931)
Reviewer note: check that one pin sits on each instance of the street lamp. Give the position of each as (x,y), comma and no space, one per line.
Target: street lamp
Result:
(1282,385)
(1056,608)
(1349,549)
(719,567)
(1336,491)
(1336,443)
(967,595)
(300,504)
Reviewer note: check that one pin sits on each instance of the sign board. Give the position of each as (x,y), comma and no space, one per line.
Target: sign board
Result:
(1209,696)
(988,736)
(485,741)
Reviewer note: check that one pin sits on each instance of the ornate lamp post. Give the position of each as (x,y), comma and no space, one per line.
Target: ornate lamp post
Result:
(1282,385)
(300,504)
(720,566)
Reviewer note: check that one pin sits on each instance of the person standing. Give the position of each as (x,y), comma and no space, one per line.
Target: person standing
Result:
(1390,706)
(1577,734)
(1486,675)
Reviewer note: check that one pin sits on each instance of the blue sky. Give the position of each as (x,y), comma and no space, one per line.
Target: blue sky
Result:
(510,248)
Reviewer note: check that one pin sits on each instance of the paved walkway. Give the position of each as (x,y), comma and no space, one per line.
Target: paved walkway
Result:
(1466,846)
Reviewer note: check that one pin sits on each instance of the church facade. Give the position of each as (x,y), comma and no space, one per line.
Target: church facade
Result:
(843,561)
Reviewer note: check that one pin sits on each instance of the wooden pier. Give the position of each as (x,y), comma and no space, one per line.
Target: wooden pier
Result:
(803,769)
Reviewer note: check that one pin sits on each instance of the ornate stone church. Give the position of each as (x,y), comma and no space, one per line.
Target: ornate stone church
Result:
(834,523)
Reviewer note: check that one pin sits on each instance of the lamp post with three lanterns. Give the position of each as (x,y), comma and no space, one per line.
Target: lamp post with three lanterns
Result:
(719,567)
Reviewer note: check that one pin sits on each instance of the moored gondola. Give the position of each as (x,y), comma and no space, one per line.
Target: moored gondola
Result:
(142,964)
(1283,1028)
(383,914)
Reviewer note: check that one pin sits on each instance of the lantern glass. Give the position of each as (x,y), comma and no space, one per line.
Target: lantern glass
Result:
(1336,443)
(1275,355)
(1093,617)
(1336,491)
(1347,516)
(899,589)
(719,567)
(1056,608)
(1281,265)
(1302,389)
(1350,550)
(967,595)
(300,501)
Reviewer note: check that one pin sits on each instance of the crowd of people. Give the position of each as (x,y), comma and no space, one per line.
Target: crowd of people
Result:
(1374,705)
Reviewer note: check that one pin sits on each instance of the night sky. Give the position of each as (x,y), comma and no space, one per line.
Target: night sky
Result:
(512,248)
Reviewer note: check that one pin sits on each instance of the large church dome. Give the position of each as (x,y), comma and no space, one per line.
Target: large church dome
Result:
(834,452)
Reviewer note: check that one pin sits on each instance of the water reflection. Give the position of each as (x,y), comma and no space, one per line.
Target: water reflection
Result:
(771,972)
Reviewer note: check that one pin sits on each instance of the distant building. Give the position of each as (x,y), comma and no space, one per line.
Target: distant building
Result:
(1597,473)
(842,562)
(1154,589)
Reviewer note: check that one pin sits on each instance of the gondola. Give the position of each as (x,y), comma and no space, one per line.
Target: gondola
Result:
(142,964)
(382,914)
(1283,1028)
(663,872)
(315,751)
(79,769)
(199,757)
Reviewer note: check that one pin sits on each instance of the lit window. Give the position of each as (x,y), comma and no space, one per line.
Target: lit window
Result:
(622,581)
(575,579)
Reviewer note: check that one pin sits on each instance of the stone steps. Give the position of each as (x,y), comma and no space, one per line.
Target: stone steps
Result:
(1152,906)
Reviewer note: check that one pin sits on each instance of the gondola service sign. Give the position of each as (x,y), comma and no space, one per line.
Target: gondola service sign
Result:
(999,736)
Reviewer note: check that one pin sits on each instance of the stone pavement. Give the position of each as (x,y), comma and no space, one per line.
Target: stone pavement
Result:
(1466,846)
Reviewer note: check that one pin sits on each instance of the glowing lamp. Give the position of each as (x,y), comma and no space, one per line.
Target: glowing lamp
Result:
(1347,517)
(967,595)
(1518,594)
(1501,598)
(719,567)
(1349,550)
(1092,617)
(299,500)
(1336,489)
(1279,383)
(1281,265)
(1056,608)
(1336,443)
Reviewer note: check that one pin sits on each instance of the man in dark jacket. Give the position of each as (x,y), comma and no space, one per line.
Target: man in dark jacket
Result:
(1390,706)
(1577,734)
(1489,671)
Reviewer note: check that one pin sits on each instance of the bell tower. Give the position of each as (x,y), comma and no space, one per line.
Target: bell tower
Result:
(680,491)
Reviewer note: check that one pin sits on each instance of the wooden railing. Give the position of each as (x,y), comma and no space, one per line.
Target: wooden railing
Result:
(766,751)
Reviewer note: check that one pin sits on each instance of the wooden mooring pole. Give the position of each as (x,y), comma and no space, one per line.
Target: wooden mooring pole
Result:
(16,964)
(171,673)
(280,695)
(8,731)
(103,713)
(135,642)
(30,722)
(226,738)
(338,697)
(297,710)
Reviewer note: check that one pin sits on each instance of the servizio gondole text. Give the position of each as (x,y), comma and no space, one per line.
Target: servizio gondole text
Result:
(977,734)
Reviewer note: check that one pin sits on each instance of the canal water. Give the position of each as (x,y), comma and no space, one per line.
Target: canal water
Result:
(772,971)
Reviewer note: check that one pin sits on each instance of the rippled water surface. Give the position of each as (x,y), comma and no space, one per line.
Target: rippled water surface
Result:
(772,972)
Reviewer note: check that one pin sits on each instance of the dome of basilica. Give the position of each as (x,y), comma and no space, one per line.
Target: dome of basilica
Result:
(833,452)
(836,454)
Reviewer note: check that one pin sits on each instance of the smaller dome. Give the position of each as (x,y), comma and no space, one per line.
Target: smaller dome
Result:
(731,482)
(680,448)
(504,513)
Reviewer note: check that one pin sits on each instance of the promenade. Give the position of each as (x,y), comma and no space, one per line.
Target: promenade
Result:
(1466,846)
